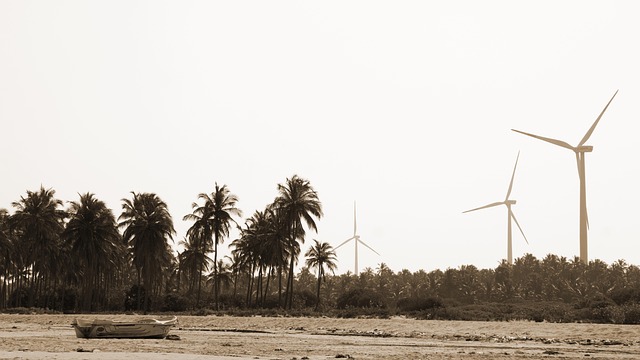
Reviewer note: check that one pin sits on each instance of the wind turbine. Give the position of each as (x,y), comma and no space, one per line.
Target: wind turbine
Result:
(580,151)
(356,240)
(508,202)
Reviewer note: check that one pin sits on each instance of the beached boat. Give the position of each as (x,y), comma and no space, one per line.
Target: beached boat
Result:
(141,328)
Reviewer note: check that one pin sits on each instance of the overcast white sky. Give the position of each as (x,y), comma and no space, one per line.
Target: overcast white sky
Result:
(403,106)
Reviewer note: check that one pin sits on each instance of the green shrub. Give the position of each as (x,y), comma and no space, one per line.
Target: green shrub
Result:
(419,304)
(230,301)
(557,313)
(304,298)
(631,314)
(358,298)
(19,296)
(174,302)
(131,298)
(626,295)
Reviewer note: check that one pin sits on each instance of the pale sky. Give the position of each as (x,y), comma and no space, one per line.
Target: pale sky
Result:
(403,106)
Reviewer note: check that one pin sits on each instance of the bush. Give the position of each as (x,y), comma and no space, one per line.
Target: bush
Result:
(631,314)
(131,298)
(359,298)
(304,298)
(230,301)
(19,296)
(557,313)
(626,295)
(419,304)
(174,302)
(22,311)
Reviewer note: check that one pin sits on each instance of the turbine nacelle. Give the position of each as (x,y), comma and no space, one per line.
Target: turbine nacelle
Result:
(584,148)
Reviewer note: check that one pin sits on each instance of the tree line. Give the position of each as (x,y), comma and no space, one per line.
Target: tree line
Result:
(83,258)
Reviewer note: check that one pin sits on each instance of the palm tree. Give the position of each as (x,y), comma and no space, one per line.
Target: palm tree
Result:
(237,266)
(94,240)
(297,201)
(148,227)
(5,255)
(385,275)
(192,260)
(244,253)
(223,276)
(275,244)
(212,222)
(38,223)
(321,255)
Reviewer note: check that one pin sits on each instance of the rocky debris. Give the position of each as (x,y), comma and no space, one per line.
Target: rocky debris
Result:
(551,352)
(475,337)
(172,337)
(346,332)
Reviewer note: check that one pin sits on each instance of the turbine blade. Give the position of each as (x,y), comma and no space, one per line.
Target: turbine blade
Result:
(549,140)
(512,176)
(370,248)
(516,221)
(588,134)
(344,242)
(486,206)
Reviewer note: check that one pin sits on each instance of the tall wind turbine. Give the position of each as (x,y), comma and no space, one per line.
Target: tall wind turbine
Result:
(508,202)
(580,151)
(356,240)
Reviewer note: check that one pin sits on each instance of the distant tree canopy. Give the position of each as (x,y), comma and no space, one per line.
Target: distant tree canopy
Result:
(81,259)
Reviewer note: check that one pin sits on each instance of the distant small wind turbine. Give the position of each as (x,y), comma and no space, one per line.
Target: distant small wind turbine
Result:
(510,214)
(579,150)
(356,240)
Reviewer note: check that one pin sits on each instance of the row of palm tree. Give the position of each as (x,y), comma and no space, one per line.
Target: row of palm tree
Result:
(47,250)
(551,279)
(49,255)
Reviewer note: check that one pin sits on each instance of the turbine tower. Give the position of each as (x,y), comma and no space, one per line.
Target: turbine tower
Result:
(510,214)
(580,151)
(356,240)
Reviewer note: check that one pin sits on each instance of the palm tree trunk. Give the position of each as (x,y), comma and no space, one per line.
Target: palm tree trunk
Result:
(289,295)
(250,284)
(259,286)
(3,298)
(179,273)
(280,284)
(63,293)
(318,292)
(235,283)
(215,271)
(199,278)
(139,290)
(266,288)
(31,281)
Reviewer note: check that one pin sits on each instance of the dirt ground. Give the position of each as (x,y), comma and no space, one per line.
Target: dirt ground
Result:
(225,337)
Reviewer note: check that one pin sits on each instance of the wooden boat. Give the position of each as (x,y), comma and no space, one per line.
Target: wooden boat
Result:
(142,328)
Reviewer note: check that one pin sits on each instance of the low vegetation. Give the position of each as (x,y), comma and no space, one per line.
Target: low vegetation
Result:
(84,259)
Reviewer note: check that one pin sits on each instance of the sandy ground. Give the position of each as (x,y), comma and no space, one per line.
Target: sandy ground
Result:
(224,337)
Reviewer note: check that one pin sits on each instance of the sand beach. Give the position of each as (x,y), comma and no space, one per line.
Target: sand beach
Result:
(226,337)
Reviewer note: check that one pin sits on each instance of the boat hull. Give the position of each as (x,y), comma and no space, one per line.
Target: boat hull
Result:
(145,328)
